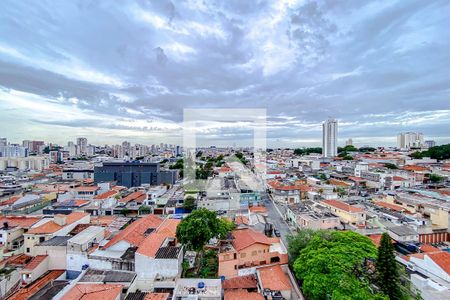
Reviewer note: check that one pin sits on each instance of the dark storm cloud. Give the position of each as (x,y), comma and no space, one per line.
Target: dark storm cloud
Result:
(379,67)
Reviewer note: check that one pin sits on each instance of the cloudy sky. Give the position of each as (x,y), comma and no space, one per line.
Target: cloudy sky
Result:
(114,72)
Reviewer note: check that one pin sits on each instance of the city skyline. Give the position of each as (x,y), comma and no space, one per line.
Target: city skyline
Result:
(303,61)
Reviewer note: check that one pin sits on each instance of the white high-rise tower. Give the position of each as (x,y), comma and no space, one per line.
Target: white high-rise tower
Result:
(329,138)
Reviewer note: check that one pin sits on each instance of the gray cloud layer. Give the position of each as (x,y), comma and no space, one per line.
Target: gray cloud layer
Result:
(119,71)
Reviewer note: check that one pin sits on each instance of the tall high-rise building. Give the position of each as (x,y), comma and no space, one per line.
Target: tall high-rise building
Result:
(329,137)
(430,143)
(410,140)
(82,145)
(349,142)
(3,142)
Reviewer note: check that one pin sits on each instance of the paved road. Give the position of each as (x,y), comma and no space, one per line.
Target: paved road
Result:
(275,216)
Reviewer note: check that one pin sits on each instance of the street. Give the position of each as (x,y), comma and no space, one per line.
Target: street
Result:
(275,216)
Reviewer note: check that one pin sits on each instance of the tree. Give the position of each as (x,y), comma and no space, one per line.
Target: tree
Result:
(189,203)
(388,279)
(391,166)
(434,178)
(199,227)
(144,210)
(326,266)
(306,151)
(296,243)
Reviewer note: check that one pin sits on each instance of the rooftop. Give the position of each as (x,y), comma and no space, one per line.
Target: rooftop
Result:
(274,279)
(94,275)
(93,292)
(56,241)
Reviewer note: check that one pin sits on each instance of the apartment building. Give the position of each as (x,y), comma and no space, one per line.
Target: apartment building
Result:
(348,213)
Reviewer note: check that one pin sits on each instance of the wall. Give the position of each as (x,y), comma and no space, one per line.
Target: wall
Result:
(56,254)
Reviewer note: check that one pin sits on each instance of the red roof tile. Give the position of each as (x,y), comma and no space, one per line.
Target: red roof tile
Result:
(138,196)
(274,278)
(343,206)
(93,291)
(157,296)
(134,233)
(20,221)
(106,195)
(240,282)
(34,287)
(441,258)
(243,238)
(242,295)
(36,261)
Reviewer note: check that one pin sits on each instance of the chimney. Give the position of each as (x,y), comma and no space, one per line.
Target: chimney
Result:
(61,220)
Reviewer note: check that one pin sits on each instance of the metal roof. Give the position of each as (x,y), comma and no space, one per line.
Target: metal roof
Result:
(56,241)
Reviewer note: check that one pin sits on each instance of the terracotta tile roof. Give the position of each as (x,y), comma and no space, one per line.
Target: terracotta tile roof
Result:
(398,178)
(356,179)
(241,282)
(138,196)
(441,258)
(46,228)
(79,228)
(34,287)
(428,248)
(20,221)
(134,233)
(274,278)
(36,261)
(168,227)
(415,168)
(243,238)
(339,182)
(151,244)
(16,260)
(242,220)
(242,295)
(157,296)
(343,206)
(258,209)
(106,195)
(51,226)
(87,188)
(389,206)
(118,188)
(93,291)
(10,201)
(103,220)
(376,239)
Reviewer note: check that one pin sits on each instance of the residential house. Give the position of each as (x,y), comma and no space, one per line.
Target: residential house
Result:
(158,258)
(12,230)
(79,246)
(47,228)
(56,250)
(348,213)
(274,283)
(118,252)
(249,249)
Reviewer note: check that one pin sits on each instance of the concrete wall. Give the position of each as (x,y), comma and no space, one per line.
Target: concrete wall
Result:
(56,255)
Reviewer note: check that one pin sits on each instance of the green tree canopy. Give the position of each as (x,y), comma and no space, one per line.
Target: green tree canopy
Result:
(306,151)
(199,227)
(189,203)
(434,178)
(388,278)
(391,166)
(438,152)
(327,264)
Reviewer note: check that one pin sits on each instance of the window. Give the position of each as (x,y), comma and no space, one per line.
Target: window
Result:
(28,250)
(243,255)
(254,253)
